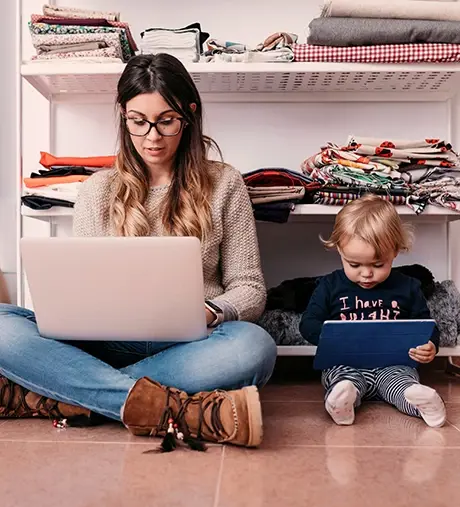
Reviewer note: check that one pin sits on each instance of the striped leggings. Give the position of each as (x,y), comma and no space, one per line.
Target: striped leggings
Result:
(387,384)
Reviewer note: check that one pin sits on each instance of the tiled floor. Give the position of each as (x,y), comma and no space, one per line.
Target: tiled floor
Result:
(386,459)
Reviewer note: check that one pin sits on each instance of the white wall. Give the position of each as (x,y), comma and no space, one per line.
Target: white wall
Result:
(250,135)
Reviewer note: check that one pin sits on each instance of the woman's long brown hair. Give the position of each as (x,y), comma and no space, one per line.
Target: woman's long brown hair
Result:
(187,210)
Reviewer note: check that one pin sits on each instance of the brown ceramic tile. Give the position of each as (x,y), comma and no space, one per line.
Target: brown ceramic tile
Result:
(312,391)
(453,414)
(376,424)
(337,476)
(42,430)
(446,385)
(89,475)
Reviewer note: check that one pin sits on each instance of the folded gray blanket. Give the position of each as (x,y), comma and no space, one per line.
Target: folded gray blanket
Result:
(444,307)
(372,31)
(396,9)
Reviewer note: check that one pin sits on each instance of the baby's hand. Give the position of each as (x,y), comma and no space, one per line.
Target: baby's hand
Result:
(423,353)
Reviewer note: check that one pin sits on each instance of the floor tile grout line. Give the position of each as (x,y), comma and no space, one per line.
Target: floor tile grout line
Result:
(355,446)
(453,425)
(219,478)
(291,401)
(89,442)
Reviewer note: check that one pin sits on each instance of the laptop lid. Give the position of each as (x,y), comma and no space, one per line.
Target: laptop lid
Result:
(148,288)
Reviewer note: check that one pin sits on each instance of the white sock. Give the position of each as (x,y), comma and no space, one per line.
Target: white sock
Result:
(429,404)
(340,403)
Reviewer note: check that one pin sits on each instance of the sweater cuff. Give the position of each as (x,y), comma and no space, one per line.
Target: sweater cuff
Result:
(227,308)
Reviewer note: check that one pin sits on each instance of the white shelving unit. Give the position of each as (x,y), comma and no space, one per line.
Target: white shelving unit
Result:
(295,81)
(281,83)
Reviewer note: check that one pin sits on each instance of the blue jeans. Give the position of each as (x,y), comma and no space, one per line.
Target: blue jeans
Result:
(99,375)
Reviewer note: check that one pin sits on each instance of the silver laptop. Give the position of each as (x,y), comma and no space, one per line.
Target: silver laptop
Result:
(116,288)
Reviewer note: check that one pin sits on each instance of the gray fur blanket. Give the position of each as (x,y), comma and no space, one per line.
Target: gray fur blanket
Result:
(444,305)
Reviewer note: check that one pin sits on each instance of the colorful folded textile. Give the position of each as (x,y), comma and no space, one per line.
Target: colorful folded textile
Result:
(277,177)
(59,180)
(45,29)
(343,198)
(39,18)
(331,154)
(259,195)
(47,160)
(109,40)
(391,53)
(431,152)
(74,12)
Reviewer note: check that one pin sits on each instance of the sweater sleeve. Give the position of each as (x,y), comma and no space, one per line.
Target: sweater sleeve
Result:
(316,313)
(244,288)
(420,309)
(89,208)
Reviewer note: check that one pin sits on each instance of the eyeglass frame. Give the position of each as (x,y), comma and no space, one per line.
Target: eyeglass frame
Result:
(153,124)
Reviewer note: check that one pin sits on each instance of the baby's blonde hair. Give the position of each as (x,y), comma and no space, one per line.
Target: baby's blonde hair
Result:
(375,221)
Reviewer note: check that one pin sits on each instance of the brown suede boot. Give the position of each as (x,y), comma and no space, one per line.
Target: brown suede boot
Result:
(16,401)
(218,416)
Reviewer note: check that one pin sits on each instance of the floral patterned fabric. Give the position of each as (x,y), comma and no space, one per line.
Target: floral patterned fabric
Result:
(38,27)
(43,34)
(112,41)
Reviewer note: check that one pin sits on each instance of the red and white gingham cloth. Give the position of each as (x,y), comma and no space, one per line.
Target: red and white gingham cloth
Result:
(388,53)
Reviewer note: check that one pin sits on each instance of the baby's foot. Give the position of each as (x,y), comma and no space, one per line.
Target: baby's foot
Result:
(429,404)
(340,403)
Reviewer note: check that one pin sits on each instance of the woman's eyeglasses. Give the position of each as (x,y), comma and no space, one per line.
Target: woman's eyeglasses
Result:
(166,127)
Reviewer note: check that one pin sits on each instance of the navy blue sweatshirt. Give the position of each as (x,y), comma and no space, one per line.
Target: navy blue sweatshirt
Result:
(337,298)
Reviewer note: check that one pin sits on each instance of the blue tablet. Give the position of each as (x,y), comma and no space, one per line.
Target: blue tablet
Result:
(370,343)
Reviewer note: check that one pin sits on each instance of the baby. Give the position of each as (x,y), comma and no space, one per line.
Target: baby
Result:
(368,234)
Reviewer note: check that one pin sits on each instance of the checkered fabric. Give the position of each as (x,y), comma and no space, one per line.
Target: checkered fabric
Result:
(388,53)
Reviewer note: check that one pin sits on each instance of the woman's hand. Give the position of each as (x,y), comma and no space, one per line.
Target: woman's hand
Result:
(210,317)
(423,353)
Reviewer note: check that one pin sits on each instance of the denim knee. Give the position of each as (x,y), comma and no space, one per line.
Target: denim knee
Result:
(255,350)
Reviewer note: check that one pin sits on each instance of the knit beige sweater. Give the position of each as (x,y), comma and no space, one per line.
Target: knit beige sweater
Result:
(231,261)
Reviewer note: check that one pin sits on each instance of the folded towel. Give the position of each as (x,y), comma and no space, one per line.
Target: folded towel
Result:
(397,9)
(184,44)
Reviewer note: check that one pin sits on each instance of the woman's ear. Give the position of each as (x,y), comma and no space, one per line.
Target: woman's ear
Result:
(193,107)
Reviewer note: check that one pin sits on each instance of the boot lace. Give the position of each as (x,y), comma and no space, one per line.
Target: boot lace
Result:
(208,403)
(11,407)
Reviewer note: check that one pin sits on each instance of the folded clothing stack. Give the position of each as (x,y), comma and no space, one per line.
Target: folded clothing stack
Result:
(277,47)
(274,192)
(184,43)
(69,33)
(415,173)
(383,31)
(58,183)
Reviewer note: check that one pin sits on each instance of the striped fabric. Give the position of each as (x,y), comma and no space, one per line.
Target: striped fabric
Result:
(384,384)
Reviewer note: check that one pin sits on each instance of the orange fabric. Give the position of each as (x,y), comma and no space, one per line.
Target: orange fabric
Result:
(47,160)
(44,182)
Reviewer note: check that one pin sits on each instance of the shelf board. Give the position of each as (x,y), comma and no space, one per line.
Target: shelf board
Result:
(310,350)
(413,81)
(301,210)
(318,210)
(55,212)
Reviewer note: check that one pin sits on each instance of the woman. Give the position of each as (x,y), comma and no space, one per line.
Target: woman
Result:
(163,184)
